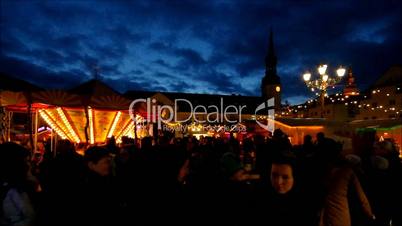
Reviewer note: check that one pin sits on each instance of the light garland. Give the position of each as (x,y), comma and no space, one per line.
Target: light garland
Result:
(114,124)
(45,116)
(91,126)
(68,126)
(129,126)
(60,125)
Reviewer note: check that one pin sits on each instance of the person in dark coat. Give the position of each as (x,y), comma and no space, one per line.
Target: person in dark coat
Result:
(100,202)
(282,202)
(16,191)
(62,180)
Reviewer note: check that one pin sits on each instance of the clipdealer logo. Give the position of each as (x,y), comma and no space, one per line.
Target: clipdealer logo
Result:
(269,104)
(221,113)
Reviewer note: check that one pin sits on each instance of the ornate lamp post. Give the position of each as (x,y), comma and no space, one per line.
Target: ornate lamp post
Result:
(323,82)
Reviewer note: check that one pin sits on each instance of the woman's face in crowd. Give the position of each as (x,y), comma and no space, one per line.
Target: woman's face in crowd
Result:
(282,178)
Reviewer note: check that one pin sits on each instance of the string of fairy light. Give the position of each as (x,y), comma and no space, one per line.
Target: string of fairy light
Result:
(349,100)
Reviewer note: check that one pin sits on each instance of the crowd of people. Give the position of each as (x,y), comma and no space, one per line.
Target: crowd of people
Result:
(206,181)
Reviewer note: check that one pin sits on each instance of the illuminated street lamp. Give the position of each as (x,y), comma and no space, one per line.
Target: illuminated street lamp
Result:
(323,81)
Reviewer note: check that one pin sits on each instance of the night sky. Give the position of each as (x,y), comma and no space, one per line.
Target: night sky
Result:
(215,47)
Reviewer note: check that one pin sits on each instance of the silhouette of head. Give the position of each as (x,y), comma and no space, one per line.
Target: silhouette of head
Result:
(248,145)
(98,160)
(65,147)
(111,141)
(308,139)
(320,136)
(146,143)
(14,164)
(278,133)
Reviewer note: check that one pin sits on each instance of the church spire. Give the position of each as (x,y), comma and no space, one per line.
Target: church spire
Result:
(350,86)
(270,59)
(271,83)
(351,79)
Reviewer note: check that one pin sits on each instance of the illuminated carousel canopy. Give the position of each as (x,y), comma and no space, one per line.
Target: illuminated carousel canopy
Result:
(15,92)
(8,98)
(91,112)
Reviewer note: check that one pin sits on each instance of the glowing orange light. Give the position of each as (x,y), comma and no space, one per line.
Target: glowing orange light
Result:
(52,124)
(113,126)
(91,126)
(67,124)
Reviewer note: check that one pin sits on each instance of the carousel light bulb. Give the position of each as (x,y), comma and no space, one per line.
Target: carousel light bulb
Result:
(49,121)
(91,126)
(129,127)
(70,129)
(114,124)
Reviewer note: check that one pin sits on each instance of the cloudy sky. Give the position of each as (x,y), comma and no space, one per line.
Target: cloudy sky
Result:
(215,47)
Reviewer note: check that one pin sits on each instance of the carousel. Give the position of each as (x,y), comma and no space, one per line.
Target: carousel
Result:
(91,113)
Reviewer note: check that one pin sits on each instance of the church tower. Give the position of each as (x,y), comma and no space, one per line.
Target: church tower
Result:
(271,83)
(350,86)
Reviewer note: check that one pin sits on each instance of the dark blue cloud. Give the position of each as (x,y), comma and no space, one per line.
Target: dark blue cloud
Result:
(159,46)
(196,46)
(40,75)
(181,86)
(189,57)
(162,63)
